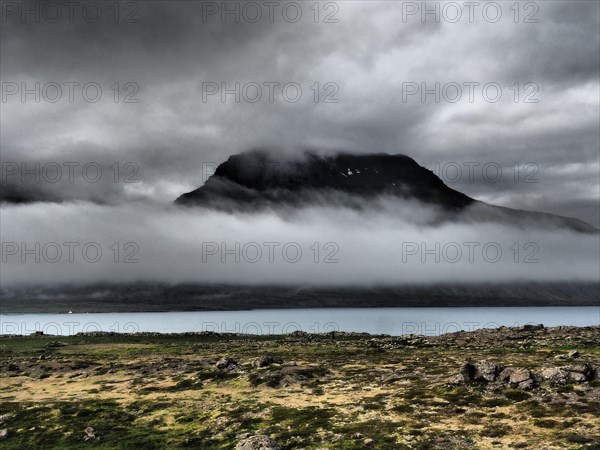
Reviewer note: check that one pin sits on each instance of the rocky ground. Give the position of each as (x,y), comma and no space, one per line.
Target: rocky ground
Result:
(531,387)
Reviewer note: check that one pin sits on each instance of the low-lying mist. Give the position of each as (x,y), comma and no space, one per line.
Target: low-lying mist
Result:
(388,242)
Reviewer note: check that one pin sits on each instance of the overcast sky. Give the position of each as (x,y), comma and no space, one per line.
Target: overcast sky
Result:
(374,54)
(360,67)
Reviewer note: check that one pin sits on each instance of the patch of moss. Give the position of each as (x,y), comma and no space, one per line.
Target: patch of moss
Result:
(495,430)
(516,395)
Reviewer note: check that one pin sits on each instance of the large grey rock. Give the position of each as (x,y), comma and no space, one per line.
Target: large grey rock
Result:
(258,442)
(89,434)
(518,377)
(479,371)
(530,327)
(527,384)
(227,364)
(467,373)
(486,371)
(577,373)
(264,361)
(555,375)
(581,372)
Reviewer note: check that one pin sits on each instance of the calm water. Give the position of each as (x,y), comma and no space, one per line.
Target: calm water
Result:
(393,321)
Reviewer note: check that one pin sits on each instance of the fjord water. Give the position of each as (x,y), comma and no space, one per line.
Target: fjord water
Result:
(392,321)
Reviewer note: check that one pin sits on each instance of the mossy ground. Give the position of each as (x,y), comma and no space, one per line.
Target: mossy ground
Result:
(165,392)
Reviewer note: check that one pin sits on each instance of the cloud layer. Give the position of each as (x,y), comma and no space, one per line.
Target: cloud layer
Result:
(78,243)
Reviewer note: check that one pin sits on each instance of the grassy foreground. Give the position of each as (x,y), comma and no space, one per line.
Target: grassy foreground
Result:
(346,391)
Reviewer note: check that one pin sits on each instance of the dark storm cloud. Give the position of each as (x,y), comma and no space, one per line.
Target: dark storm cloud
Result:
(368,54)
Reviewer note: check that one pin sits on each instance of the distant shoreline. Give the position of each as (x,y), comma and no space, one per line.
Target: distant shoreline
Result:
(505,332)
(145,297)
(158,311)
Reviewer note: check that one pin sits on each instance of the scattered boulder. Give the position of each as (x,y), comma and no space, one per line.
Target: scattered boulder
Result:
(258,442)
(264,361)
(299,333)
(467,373)
(577,373)
(227,364)
(89,434)
(581,372)
(295,374)
(526,385)
(573,354)
(368,441)
(3,434)
(518,377)
(486,371)
(555,375)
(480,371)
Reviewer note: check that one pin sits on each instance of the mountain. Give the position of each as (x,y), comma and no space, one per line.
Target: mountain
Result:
(10,193)
(257,179)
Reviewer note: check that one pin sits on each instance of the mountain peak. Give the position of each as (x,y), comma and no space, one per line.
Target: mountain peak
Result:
(259,178)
